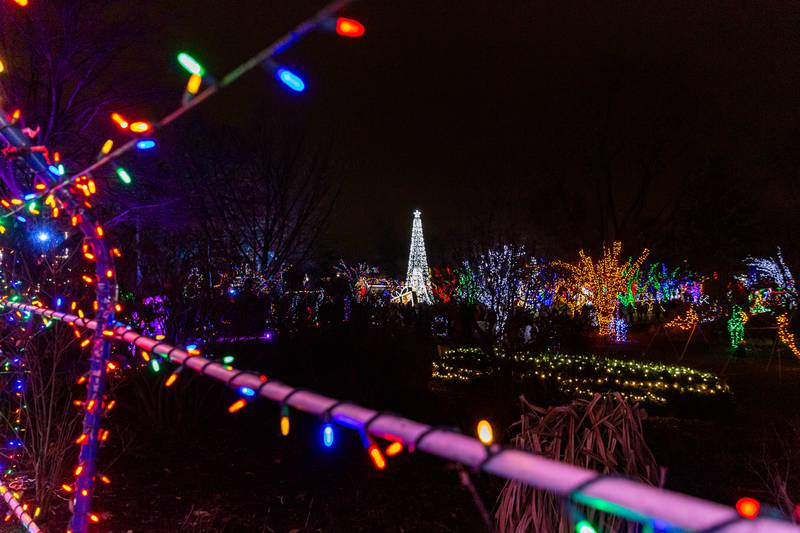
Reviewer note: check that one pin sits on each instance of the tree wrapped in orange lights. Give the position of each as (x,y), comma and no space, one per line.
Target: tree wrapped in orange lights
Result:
(786,336)
(684,322)
(602,282)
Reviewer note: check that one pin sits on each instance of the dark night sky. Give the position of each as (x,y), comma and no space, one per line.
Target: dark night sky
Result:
(464,108)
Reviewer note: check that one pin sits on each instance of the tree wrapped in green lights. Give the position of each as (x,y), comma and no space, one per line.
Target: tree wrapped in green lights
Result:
(736,326)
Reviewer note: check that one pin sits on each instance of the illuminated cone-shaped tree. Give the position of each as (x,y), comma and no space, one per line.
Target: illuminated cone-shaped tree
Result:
(418,277)
(601,283)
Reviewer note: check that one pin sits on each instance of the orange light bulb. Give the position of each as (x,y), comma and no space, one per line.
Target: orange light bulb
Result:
(237,405)
(140,127)
(121,122)
(394,448)
(377,457)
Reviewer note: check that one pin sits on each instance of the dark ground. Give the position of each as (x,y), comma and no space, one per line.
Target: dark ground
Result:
(220,472)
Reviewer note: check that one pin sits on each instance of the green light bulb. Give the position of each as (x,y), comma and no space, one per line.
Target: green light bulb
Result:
(190,64)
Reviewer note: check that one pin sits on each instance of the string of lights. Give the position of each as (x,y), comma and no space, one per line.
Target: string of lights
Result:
(616,495)
(60,194)
(419,276)
(587,375)
(105,284)
(736,324)
(773,269)
(786,336)
(602,282)
(13,369)
(18,509)
(622,496)
(343,26)
(684,322)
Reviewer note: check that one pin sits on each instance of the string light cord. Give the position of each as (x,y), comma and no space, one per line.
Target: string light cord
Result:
(725,524)
(367,426)
(413,446)
(616,494)
(105,272)
(105,286)
(492,451)
(177,371)
(236,375)
(17,509)
(280,45)
(285,400)
(581,487)
(328,415)
(203,368)
(263,382)
(569,501)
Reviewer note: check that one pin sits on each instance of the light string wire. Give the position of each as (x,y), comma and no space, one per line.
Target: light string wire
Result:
(106,288)
(16,507)
(616,495)
(365,426)
(280,45)
(105,298)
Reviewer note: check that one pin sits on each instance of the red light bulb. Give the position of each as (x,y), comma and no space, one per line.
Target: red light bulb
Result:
(748,508)
(349,27)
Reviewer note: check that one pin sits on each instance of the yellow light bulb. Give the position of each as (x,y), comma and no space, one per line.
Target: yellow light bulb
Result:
(485,433)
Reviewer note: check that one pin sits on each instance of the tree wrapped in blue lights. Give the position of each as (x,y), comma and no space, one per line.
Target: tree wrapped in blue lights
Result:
(773,272)
(504,282)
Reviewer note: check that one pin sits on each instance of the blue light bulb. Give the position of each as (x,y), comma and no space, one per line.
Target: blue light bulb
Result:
(145,144)
(57,170)
(327,435)
(291,80)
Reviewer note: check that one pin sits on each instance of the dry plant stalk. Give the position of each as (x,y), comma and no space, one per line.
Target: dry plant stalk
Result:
(602,434)
(53,362)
